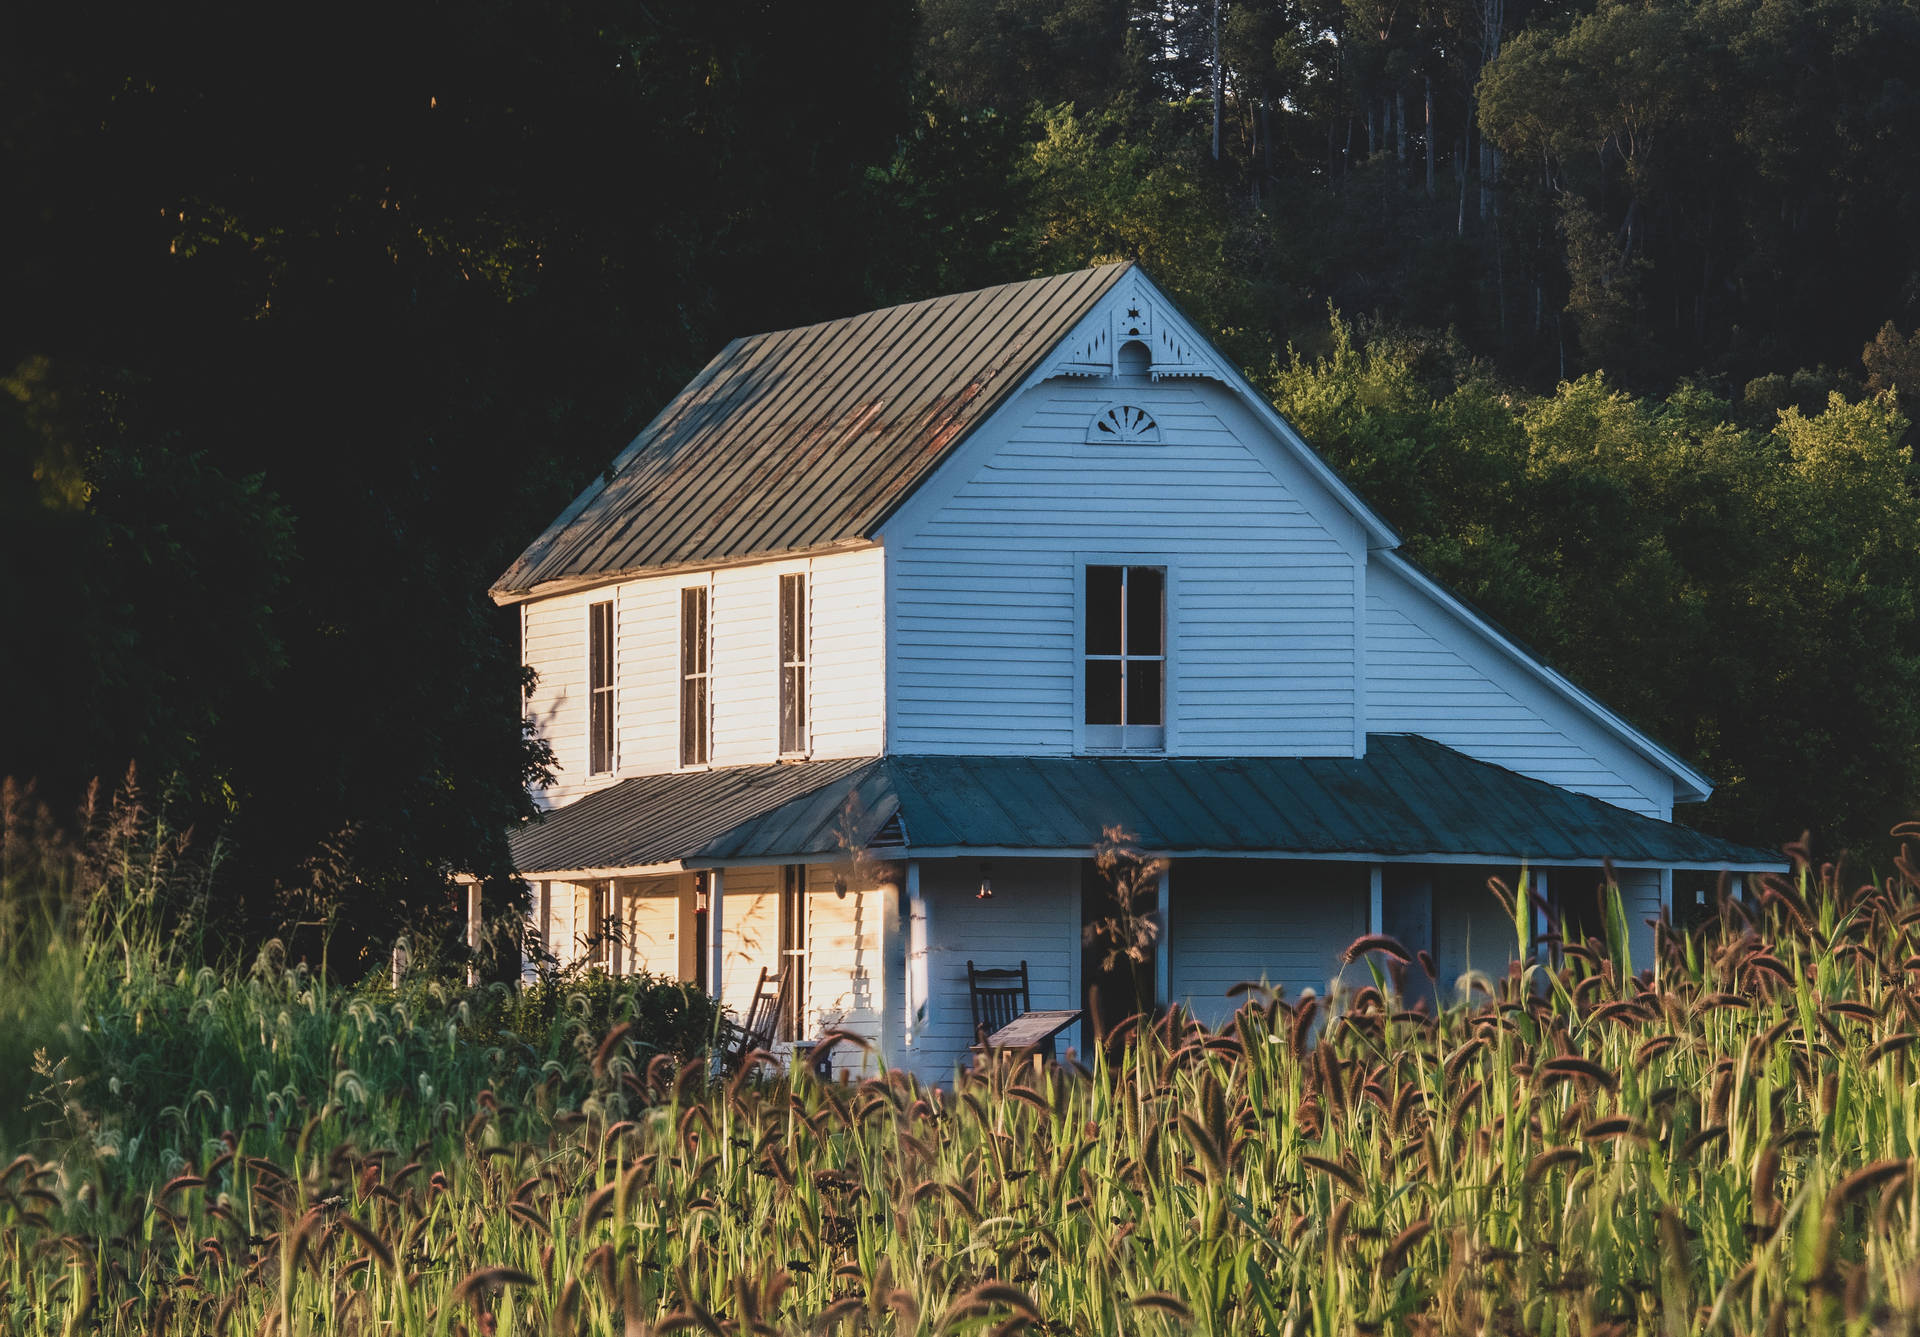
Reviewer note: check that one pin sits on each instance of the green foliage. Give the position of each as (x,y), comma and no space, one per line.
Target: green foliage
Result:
(1724,1142)
(132,1060)
(1748,593)
(663,1016)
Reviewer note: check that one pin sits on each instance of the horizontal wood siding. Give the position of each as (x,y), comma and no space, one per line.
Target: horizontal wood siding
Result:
(1238,921)
(1641,901)
(750,932)
(846,684)
(1427,673)
(844,977)
(1261,605)
(1033,916)
(555,647)
(650,911)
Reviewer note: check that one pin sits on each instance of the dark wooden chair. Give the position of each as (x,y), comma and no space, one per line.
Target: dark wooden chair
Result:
(998,995)
(762,1022)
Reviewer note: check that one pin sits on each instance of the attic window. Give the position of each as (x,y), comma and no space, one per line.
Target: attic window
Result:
(1123,425)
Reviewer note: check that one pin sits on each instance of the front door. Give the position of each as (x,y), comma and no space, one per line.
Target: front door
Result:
(1117,954)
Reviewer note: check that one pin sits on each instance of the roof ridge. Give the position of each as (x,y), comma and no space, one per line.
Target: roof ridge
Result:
(966,295)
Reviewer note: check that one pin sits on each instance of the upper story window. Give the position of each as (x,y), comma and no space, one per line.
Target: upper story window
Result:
(695,674)
(600,688)
(794,738)
(1126,658)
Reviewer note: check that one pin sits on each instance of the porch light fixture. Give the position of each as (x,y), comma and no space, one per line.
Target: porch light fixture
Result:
(986,882)
(840,885)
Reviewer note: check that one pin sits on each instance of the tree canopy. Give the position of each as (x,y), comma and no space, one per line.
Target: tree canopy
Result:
(304,329)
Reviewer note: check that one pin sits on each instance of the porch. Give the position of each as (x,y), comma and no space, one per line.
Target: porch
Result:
(865,878)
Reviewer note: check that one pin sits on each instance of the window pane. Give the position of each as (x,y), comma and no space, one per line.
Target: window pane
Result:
(1143,691)
(599,732)
(693,721)
(1103,610)
(793,621)
(600,644)
(1146,591)
(793,708)
(1103,691)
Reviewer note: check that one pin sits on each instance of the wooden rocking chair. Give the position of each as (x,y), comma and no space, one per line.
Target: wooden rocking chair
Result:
(998,996)
(762,1023)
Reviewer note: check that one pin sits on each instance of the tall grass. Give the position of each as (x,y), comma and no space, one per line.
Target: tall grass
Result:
(1723,1142)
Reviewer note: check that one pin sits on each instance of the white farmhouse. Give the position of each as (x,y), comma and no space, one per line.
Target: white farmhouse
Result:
(850,657)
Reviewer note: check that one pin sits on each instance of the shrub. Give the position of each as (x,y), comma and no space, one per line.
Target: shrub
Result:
(583,1004)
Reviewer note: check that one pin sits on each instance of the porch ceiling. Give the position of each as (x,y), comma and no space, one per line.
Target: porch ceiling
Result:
(1409,796)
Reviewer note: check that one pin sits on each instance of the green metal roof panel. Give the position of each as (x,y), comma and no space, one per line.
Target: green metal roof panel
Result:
(801,439)
(1408,797)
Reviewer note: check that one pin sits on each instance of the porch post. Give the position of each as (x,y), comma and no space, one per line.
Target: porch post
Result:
(1376,899)
(473,933)
(1666,912)
(1162,972)
(891,988)
(616,932)
(716,955)
(1541,924)
(919,967)
(1737,884)
(546,918)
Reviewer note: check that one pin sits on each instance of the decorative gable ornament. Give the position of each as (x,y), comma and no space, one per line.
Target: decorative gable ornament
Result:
(1123,425)
(1107,349)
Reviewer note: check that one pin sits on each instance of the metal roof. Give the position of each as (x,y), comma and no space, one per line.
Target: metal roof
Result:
(659,819)
(1408,797)
(806,438)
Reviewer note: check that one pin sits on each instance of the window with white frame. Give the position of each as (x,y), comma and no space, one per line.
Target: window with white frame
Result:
(695,675)
(794,612)
(1125,675)
(600,688)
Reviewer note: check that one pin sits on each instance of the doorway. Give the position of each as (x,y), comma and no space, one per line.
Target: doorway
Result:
(1117,953)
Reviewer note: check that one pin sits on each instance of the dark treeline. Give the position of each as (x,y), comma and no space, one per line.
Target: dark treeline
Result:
(305,330)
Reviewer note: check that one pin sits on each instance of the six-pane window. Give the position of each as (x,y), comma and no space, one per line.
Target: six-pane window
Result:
(599,688)
(793,665)
(694,673)
(1126,657)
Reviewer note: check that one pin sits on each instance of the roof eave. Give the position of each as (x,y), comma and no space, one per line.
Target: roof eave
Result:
(506,597)
(1690,787)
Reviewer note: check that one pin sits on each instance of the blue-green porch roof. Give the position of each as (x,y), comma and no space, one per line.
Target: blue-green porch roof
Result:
(1407,798)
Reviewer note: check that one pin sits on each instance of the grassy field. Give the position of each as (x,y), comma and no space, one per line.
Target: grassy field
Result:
(1721,1142)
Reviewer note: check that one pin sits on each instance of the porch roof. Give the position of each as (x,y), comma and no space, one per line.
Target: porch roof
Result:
(1408,798)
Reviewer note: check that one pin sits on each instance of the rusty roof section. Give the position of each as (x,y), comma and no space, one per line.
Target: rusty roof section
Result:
(806,438)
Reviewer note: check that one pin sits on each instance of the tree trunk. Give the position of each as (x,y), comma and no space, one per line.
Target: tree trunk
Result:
(1371,150)
(1216,80)
(1428,80)
(1400,124)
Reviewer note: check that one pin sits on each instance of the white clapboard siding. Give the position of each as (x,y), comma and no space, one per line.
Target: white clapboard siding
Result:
(650,910)
(846,685)
(1642,900)
(556,649)
(750,932)
(1429,673)
(647,677)
(1032,916)
(560,929)
(1249,921)
(1265,571)
(844,974)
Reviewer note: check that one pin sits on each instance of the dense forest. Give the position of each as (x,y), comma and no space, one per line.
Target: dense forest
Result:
(306,329)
